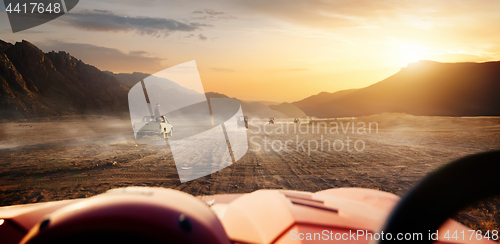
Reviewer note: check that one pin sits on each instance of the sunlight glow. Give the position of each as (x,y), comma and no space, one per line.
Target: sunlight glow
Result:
(410,53)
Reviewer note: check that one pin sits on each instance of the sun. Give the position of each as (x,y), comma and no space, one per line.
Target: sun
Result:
(410,53)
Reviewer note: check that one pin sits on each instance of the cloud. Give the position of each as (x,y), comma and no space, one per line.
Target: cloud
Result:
(103,20)
(314,13)
(202,37)
(138,53)
(208,11)
(212,15)
(223,70)
(348,13)
(106,58)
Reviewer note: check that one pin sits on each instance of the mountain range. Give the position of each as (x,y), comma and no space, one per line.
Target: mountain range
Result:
(422,88)
(182,95)
(38,84)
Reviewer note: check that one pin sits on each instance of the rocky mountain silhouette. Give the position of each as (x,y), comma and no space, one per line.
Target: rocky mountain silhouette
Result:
(128,80)
(37,84)
(423,88)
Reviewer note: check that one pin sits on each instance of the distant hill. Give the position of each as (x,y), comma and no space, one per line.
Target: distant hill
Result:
(309,103)
(267,103)
(422,88)
(289,110)
(252,109)
(37,84)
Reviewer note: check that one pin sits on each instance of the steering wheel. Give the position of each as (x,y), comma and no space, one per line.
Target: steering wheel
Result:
(444,192)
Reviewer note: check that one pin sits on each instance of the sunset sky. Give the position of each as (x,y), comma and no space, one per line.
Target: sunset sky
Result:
(282,50)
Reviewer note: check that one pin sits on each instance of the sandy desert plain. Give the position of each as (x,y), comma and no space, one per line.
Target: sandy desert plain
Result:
(48,159)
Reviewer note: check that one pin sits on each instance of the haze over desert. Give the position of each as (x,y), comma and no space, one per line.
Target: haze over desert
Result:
(81,156)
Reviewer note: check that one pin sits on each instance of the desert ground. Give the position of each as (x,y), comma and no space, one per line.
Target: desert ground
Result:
(69,157)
